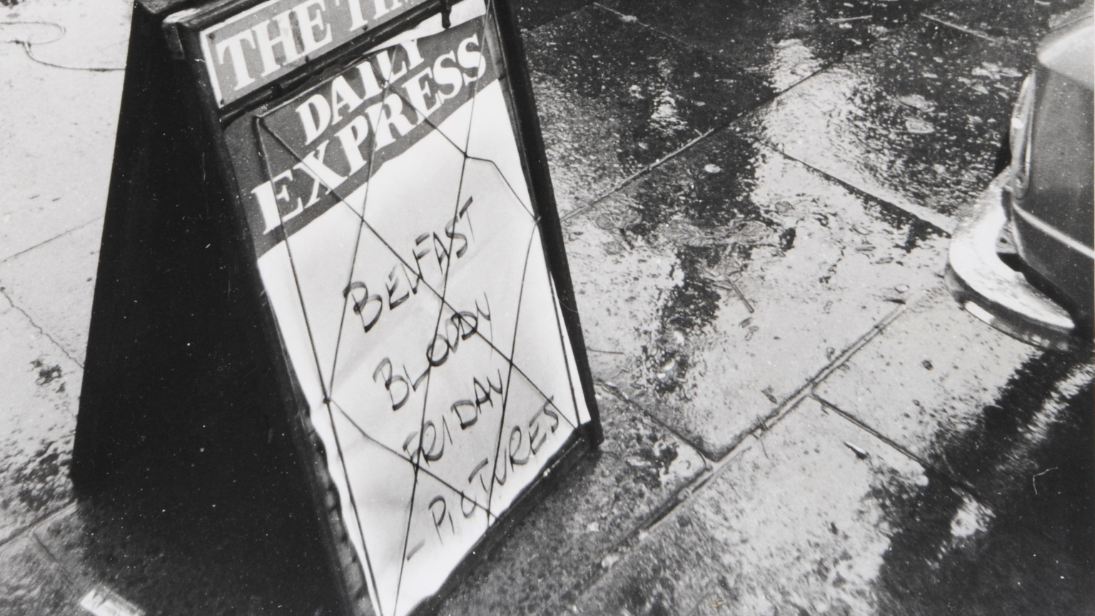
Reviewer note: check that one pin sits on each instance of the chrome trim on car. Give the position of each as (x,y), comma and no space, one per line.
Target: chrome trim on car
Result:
(1053,232)
(995,293)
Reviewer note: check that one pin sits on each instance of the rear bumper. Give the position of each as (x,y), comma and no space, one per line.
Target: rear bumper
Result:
(993,292)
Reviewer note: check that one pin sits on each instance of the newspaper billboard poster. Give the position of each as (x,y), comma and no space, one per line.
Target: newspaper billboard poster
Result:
(331,245)
(401,252)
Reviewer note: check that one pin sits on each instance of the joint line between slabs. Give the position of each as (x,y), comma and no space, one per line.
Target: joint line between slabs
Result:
(707,460)
(961,28)
(927,466)
(918,211)
(641,172)
(712,468)
(784,409)
(37,523)
(41,330)
(648,522)
(47,241)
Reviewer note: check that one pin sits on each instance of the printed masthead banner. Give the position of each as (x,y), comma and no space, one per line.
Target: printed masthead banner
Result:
(326,143)
(263,43)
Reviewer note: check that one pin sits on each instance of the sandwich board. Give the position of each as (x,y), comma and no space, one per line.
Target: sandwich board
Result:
(331,225)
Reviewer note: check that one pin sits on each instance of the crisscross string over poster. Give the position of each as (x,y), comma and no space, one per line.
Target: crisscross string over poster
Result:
(401,252)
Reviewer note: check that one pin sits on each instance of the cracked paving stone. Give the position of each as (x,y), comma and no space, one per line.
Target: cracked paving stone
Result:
(817,516)
(38,401)
(595,505)
(615,96)
(54,284)
(967,399)
(784,41)
(714,288)
(32,584)
(917,121)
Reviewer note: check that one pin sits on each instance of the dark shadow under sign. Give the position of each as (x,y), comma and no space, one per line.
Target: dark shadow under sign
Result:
(331,224)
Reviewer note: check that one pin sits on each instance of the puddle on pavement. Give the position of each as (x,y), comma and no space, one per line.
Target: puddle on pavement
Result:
(680,274)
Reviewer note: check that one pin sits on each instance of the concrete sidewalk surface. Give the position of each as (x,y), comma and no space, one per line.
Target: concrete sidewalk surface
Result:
(756,200)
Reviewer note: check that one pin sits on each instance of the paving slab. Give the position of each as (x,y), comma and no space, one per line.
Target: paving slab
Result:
(784,41)
(53,283)
(56,180)
(1019,22)
(33,584)
(638,475)
(38,400)
(795,523)
(818,516)
(714,288)
(916,121)
(615,97)
(968,400)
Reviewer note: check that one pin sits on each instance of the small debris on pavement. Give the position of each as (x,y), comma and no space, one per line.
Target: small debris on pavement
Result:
(917,126)
(916,102)
(103,602)
(859,452)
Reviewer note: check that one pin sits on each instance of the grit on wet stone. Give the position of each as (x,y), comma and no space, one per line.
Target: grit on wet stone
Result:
(714,288)
(33,584)
(615,96)
(917,121)
(796,522)
(781,42)
(1022,23)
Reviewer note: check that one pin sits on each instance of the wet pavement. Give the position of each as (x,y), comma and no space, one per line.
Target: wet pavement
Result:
(756,201)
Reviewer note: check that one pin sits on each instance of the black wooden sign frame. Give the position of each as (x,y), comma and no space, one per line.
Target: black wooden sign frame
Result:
(184,352)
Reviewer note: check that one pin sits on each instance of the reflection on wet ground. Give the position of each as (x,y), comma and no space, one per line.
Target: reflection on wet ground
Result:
(1030,552)
(726,278)
(917,121)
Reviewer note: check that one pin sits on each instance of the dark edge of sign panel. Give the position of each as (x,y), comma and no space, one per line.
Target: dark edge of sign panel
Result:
(525,119)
